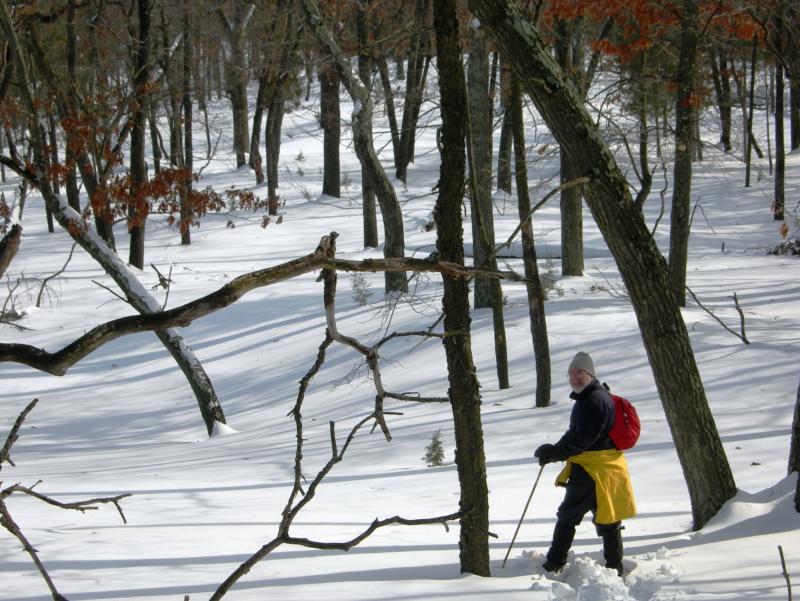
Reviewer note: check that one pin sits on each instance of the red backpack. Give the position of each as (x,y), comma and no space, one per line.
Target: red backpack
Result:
(625,431)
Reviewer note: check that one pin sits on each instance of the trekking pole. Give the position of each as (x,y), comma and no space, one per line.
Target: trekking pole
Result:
(539,475)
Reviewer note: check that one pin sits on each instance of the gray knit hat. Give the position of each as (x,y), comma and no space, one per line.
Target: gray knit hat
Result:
(582,361)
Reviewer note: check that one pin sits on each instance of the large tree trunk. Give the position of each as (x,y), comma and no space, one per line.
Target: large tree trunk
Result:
(722,87)
(479,152)
(680,216)
(331,131)
(138,210)
(506,136)
(464,389)
(750,111)
(370,220)
(255,160)
(72,222)
(394,243)
(388,93)
(187,211)
(73,195)
(640,262)
(272,135)
(571,198)
(236,75)
(415,82)
(536,294)
(488,293)
(780,145)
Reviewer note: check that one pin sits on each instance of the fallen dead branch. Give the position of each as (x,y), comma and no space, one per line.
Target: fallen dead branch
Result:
(6,519)
(57,363)
(294,506)
(743,335)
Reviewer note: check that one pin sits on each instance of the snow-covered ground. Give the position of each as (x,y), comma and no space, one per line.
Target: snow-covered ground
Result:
(123,420)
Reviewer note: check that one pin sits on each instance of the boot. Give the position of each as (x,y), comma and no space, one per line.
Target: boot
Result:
(612,548)
(562,541)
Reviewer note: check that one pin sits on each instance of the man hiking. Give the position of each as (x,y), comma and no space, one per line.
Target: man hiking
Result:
(596,475)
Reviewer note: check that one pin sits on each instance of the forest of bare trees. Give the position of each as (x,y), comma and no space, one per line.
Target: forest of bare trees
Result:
(98,101)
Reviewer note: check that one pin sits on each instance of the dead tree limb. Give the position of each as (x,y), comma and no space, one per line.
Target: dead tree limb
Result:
(13,435)
(291,511)
(293,505)
(741,336)
(7,521)
(53,275)
(57,363)
(328,276)
(785,572)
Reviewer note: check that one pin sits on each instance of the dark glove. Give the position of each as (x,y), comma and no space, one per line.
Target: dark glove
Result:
(547,453)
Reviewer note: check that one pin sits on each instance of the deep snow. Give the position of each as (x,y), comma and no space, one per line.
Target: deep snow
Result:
(124,420)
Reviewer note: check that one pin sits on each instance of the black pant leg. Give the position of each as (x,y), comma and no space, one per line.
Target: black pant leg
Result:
(578,500)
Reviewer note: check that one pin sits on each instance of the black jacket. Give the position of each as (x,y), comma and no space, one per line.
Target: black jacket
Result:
(591,419)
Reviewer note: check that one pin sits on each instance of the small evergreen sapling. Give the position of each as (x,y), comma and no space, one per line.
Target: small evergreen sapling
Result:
(434,452)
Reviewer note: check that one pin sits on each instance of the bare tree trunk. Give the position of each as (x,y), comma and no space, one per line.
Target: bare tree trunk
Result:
(272,134)
(536,294)
(780,145)
(255,160)
(643,269)
(722,87)
(138,210)
(794,449)
(388,93)
(72,78)
(680,216)
(415,82)
(488,292)
(479,153)
(332,132)
(464,388)
(750,111)
(236,75)
(187,211)
(506,135)
(370,220)
(571,198)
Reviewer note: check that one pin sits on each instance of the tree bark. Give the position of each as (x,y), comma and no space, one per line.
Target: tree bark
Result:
(533,286)
(73,195)
(272,135)
(464,389)
(640,262)
(415,81)
(370,220)
(780,144)
(187,211)
(750,111)
(138,209)
(571,198)
(236,75)
(255,159)
(388,93)
(506,135)
(331,131)
(680,216)
(488,292)
(479,153)
(722,87)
